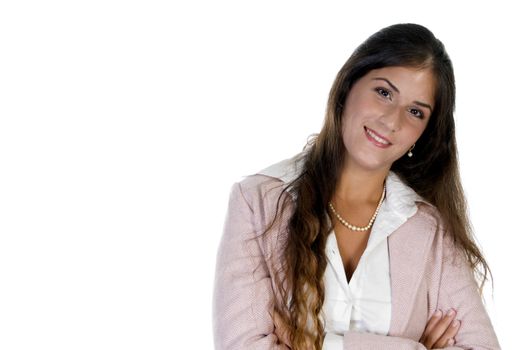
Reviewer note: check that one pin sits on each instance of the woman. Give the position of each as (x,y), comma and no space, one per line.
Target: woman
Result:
(361,241)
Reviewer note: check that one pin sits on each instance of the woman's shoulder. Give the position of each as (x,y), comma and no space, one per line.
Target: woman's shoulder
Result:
(261,193)
(258,187)
(406,201)
(428,212)
(270,181)
(430,220)
(257,181)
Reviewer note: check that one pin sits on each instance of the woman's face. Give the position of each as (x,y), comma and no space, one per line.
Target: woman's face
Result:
(385,113)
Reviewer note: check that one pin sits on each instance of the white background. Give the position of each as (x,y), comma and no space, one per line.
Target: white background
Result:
(125,123)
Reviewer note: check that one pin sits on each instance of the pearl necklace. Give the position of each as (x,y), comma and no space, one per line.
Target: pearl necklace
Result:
(357,228)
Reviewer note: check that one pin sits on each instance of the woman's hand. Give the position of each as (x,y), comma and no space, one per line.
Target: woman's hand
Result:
(440,331)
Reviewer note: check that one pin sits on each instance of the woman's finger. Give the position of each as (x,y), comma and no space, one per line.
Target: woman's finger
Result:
(447,338)
(440,328)
(433,321)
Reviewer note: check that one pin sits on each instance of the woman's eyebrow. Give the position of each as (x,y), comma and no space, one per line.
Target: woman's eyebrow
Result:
(388,82)
(422,104)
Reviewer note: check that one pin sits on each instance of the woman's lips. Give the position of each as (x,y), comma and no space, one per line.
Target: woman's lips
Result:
(376,138)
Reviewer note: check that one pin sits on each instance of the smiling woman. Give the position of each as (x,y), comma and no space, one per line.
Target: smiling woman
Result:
(361,240)
(380,114)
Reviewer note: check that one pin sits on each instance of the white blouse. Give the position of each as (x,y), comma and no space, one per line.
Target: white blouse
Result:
(363,304)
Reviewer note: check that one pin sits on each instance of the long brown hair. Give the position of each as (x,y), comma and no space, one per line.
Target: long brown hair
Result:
(432,172)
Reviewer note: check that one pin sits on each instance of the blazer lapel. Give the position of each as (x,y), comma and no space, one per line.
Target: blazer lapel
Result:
(408,248)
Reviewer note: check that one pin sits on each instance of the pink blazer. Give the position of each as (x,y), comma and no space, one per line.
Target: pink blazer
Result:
(427,273)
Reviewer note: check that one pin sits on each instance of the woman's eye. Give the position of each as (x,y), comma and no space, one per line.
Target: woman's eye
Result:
(383,92)
(417,113)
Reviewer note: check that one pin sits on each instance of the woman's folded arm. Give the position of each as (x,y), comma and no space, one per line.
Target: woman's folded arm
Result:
(242,291)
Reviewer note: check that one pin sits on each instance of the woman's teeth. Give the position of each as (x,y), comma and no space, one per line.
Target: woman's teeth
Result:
(376,137)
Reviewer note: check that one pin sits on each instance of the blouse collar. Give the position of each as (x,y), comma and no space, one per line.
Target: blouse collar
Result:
(400,198)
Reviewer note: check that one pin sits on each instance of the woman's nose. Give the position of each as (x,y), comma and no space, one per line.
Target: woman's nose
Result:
(391,118)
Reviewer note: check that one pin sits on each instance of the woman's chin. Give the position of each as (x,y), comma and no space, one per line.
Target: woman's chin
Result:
(371,165)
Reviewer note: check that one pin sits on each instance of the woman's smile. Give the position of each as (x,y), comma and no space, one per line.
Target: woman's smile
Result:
(376,138)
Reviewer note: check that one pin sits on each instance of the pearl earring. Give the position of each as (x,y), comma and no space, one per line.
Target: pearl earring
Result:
(410,154)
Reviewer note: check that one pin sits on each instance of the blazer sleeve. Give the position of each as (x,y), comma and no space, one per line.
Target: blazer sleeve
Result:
(458,290)
(242,287)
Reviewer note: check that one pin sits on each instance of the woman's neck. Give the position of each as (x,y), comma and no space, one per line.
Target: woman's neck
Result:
(357,185)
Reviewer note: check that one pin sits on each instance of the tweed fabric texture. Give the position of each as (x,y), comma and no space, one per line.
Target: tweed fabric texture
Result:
(427,273)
